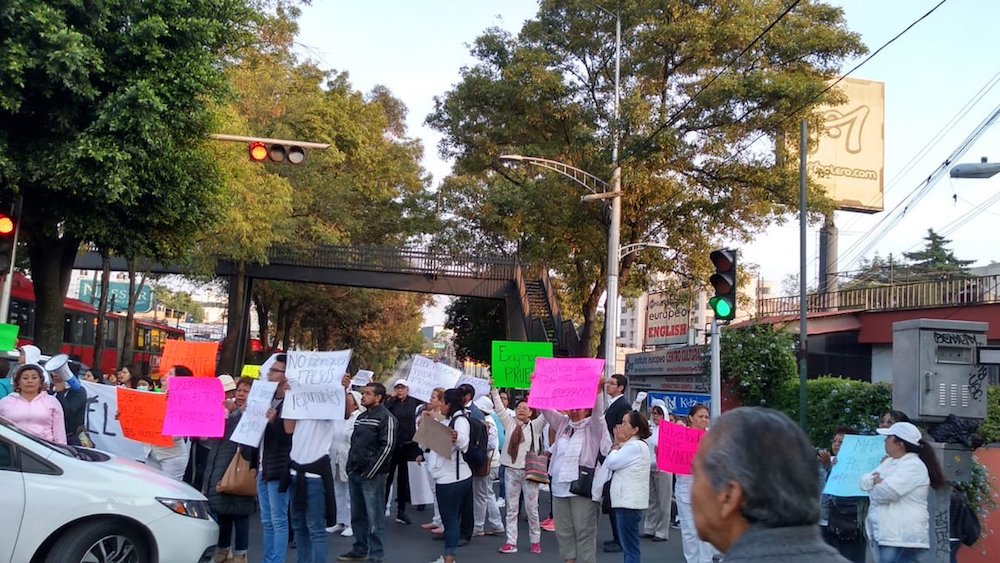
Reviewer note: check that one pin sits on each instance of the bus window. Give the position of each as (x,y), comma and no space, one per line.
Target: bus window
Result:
(110,333)
(22,315)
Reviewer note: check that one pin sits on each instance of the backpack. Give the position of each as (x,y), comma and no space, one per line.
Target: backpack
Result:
(478,453)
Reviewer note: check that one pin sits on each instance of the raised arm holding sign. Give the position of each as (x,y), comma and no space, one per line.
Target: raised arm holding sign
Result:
(194,408)
(858,455)
(141,415)
(676,447)
(250,428)
(422,379)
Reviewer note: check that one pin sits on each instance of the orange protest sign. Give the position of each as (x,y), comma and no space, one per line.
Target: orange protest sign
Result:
(199,356)
(141,415)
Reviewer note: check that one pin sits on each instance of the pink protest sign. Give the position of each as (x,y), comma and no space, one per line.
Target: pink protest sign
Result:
(676,447)
(194,407)
(565,383)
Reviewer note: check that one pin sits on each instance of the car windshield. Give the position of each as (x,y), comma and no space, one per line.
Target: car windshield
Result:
(67,451)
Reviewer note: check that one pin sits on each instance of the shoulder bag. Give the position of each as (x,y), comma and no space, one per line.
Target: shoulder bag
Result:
(536,464)
(239,479)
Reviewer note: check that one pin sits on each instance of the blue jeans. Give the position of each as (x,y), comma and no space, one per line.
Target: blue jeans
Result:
(627,521)
(274,520)
(309,523)
(368,515)
(454,499)
(890,554)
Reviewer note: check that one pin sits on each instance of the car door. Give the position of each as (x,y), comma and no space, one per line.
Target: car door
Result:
(11,499)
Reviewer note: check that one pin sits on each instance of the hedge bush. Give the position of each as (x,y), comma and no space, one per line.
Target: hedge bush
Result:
(990,428)
(755,360)
(834,402)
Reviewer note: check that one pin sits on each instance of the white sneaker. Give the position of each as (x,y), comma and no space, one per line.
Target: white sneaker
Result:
(335,528)
(501,502)
(347,533)
(543,487)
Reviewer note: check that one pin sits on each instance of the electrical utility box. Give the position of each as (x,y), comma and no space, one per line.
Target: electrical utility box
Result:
(936,369)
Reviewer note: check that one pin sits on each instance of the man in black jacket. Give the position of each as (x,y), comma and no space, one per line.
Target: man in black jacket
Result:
(404,408)
(372,445)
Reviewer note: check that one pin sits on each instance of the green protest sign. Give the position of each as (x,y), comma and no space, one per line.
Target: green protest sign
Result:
(8,337)
(513,362)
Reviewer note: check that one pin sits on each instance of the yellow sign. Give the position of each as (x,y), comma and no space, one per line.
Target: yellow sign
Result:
(251,371)
(849,157)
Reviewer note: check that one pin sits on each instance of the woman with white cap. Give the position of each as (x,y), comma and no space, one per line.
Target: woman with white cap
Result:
(339,451)
(898,521)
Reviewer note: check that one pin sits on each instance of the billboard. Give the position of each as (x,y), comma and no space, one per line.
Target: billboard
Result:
(848,159)
(117,295)
(667,320)
(688,360)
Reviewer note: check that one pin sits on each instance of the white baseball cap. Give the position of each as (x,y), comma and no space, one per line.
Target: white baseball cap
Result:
(401,382)
(904,431)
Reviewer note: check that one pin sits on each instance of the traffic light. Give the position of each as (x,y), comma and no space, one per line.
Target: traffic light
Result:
(723,304)
(7,228)
(276,152)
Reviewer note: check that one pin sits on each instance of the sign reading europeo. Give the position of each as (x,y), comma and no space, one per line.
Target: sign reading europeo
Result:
(666,320)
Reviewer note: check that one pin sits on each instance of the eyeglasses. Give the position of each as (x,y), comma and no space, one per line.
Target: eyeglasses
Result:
(272,370)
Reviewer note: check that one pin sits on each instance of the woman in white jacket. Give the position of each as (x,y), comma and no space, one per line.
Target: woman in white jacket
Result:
(898,521)
(523,435)
(628,463)
(339,450)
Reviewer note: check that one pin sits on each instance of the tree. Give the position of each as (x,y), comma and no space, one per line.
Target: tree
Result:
(180,304)
(935,259)
(477,323)
(548,92)
(104,110)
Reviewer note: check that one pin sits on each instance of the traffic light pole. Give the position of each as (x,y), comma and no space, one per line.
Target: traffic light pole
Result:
(716,376)
(8,279)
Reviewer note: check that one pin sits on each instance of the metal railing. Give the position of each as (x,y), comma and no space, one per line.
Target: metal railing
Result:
(396,260)
(918,295)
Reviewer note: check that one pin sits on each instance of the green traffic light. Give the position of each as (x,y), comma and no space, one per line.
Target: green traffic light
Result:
(722,308)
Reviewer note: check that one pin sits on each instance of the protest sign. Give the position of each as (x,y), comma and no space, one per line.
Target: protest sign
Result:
(565,383)
(315,385)
(423,378)
(447,376)
(194,407)
(420,485)
(676,447)
(141,414)
(434,435)
(101,425)
(482,386)
(858,455)
(512,363)
(250,371)
(198,356)
(8,337)
(250,429)
(362,378)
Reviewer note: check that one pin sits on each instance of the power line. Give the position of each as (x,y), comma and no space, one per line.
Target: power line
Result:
(670,121)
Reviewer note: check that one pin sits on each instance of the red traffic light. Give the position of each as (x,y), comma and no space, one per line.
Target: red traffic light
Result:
(6,225)
(258,151)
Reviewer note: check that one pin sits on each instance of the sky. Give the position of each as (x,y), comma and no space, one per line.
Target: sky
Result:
(417,47)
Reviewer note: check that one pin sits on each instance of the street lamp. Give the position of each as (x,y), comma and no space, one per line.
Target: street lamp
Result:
(588,180)
(978,170)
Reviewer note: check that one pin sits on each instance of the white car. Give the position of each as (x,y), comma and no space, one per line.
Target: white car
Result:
(62,504)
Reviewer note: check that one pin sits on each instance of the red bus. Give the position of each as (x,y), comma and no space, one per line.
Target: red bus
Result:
(80,327)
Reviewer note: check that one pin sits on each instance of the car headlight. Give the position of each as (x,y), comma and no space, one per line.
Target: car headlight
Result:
(187,507)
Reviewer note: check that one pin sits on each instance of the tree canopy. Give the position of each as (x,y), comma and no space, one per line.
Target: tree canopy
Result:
(548,92)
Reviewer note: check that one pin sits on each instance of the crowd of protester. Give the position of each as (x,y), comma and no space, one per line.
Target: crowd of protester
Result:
(315,478)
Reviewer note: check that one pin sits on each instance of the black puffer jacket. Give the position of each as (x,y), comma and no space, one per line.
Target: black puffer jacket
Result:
(372,443)
(219,456)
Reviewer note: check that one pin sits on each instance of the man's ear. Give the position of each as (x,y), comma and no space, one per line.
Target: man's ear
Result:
(730,500)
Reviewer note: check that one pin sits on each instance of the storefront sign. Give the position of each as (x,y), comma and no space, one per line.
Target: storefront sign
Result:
(666,320)
(676,361)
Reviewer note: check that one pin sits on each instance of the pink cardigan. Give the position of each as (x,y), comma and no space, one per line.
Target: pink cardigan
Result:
(42,416)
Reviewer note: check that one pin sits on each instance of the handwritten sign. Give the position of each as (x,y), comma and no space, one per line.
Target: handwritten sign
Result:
(481,386)
(250,371)
(676,447)
(141,414)
(423,378)
(103,428)
(447,376)
(565,383)
(858,455)
(8,337)
(250,429)
(315,390)
(198,356)
(513,362)
(194,408)
(362,378)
